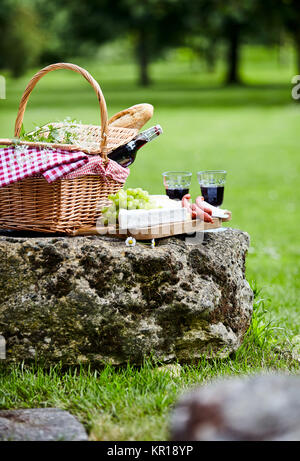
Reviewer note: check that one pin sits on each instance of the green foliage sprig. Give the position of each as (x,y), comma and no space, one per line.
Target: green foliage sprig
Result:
(64,134)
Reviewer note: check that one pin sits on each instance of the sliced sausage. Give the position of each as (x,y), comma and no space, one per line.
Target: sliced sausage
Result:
(201,204)
(202,214)
(186,204)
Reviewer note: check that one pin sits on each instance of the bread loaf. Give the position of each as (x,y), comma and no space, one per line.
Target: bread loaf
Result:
(133,117)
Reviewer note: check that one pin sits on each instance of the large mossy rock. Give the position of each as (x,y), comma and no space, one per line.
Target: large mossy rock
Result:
(92,299)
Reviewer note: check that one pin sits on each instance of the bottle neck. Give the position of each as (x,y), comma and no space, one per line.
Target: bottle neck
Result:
(150,134)
(125,155)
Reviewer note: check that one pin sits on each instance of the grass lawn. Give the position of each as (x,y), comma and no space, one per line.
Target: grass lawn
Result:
(252,132)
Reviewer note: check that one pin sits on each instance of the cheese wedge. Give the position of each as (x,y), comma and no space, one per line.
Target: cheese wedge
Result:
(217,212)
(136,219)
(163,201)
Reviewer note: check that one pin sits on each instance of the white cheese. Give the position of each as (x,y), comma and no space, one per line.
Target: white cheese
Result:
(216,212)
(163,201)
(135,219)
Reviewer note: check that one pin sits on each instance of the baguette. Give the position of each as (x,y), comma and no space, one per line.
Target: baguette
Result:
(133,117)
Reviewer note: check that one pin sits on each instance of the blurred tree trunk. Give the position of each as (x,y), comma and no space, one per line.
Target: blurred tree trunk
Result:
(210,57)
(143,58)
(297,46)
(233,54)
(294,27)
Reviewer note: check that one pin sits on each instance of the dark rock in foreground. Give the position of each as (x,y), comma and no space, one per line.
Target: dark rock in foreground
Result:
(40,424)
(259,408)
(92,299)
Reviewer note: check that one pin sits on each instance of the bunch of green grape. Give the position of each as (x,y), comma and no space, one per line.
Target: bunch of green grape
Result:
(130,199)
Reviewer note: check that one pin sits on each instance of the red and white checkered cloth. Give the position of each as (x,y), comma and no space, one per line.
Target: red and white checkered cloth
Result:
(95,166)
(22,162)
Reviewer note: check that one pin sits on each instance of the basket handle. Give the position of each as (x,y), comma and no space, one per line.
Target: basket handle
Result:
(89,78)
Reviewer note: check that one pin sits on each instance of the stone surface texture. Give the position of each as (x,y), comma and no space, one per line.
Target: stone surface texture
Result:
(40,424)
(263,407)
(94,300)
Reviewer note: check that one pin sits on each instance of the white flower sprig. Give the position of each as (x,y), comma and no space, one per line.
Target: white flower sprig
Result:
(130,242)
(65,132)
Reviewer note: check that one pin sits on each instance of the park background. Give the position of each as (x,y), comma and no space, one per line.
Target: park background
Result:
(219,74)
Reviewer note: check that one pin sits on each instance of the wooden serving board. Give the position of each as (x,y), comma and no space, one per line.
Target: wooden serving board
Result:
(148,233)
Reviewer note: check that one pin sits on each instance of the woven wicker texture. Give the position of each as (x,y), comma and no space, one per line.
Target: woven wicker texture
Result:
(95,139)
(67,204)
(62,206)
(88,139)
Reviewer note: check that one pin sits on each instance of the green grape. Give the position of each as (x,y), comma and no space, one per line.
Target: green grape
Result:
(148,206)
(131,205)
(130,199)
(111,216)
(135,203)
(121,194)
(123,203)
(144,196)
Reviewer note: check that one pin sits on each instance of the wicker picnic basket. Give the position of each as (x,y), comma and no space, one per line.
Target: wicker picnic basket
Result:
(66,204)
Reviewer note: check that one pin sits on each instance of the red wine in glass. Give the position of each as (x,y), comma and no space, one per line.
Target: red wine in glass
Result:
(213,194)
(212,183)
(177,183)
(176,193)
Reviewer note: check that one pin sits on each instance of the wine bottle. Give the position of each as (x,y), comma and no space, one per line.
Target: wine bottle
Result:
(125,155)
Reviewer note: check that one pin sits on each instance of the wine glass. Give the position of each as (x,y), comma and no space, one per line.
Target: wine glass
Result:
(212,183)
(177,183)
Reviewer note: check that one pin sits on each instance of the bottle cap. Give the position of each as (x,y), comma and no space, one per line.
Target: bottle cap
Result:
(158,129)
